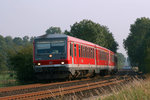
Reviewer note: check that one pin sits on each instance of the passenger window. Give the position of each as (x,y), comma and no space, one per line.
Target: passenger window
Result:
(71,50)
(79,51)
(84,51)
(75,52)
(93,53)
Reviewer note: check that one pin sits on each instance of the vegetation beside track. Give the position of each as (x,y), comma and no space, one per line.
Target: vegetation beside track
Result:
(136,90)
(8,78)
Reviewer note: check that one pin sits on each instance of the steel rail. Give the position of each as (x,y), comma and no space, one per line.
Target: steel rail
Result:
(57,91)
(6,89)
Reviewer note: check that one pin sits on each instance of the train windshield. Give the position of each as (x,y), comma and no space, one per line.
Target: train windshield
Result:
(51,47)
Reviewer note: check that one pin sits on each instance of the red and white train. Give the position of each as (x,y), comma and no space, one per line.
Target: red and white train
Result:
(62,56)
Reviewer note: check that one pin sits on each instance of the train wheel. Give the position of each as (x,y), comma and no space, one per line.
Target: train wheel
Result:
(103,72)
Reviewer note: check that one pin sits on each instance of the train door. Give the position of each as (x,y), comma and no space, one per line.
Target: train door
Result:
(76,60)
(71,53)
(107,54)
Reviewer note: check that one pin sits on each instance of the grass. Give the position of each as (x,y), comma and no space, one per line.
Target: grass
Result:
(8,78)
(136,90)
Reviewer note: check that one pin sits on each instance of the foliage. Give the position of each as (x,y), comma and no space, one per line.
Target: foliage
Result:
(7,78)
(93,32)
(53,30)
(136,90)
(3,54)
(10,46)
(137,43)
(121,60)
(22,62)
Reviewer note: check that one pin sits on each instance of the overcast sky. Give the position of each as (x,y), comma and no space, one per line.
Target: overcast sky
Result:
(33,17)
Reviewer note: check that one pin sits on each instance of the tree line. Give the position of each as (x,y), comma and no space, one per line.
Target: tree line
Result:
(17,53)
(137,44)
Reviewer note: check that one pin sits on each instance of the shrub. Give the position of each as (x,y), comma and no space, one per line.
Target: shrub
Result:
(22,63)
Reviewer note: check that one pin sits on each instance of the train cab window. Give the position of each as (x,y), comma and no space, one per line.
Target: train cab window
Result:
(75,51)
(79,51)
(71,50)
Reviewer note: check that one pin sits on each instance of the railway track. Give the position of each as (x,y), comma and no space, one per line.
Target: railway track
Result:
(52,90)
(39,87)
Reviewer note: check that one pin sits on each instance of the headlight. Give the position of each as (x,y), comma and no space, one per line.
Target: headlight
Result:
(62,62)
(50,55)
(39,64)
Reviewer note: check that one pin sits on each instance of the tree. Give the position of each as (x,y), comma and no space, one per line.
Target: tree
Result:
(25,39)
(53,30)
(121,60)
(137,42)
(93,32)
(18,41)
(22,63)
(3,54)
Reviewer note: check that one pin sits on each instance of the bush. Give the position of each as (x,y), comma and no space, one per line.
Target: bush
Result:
(22,63)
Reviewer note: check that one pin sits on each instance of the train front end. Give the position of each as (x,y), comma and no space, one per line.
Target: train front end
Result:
(50,57)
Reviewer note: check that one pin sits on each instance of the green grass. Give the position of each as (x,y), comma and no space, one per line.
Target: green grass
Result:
(136,90)
(8,78)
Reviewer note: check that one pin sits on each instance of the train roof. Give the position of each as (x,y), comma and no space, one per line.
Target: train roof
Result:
(71,38)
(52,36)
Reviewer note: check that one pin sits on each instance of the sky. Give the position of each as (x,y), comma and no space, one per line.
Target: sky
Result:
(33,17)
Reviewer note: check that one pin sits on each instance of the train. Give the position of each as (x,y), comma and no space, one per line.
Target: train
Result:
(60,56)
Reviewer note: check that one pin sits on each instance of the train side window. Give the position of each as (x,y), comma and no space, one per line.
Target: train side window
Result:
(113,58)
(93,53)
(75,51)
(83,52)
(71,50)
(99,55)
(88,52)
(79,51)
(107,56)
(102,55)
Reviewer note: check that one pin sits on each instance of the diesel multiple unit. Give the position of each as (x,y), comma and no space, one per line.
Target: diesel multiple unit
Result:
(62,56)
